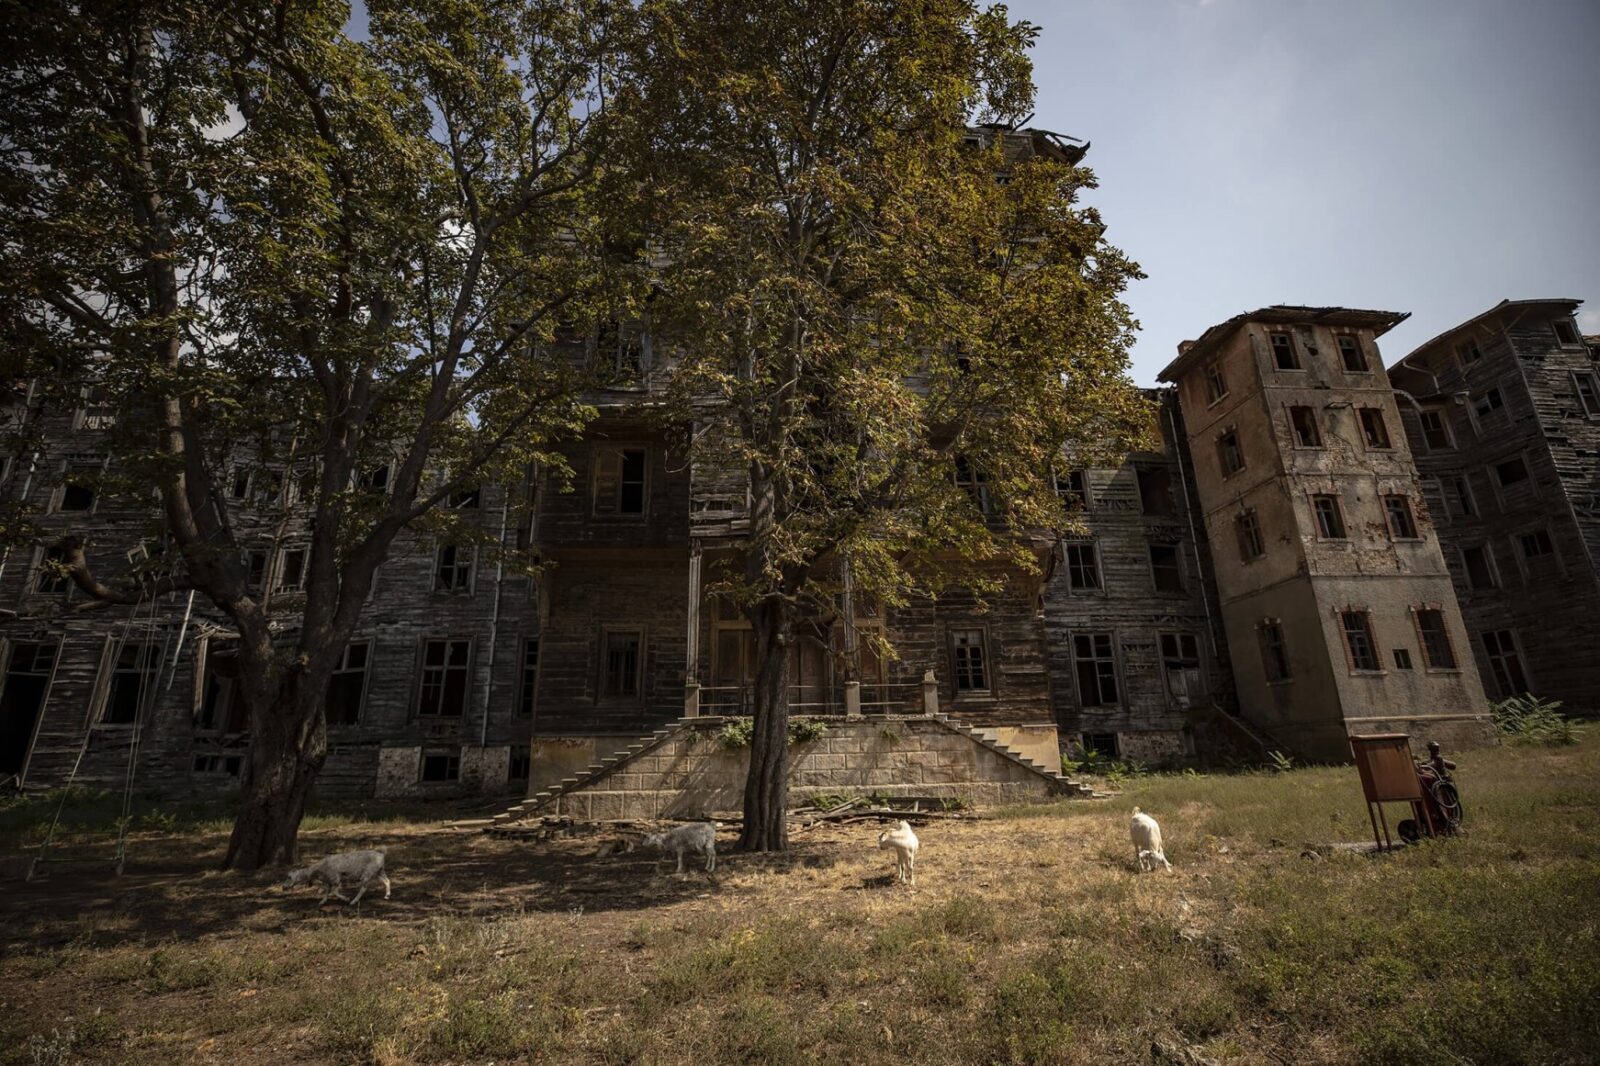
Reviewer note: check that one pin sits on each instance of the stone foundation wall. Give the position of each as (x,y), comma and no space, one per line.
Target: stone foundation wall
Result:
(692,775)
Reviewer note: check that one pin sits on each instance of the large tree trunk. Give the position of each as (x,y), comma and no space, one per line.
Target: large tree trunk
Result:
(288,743)
(766,788)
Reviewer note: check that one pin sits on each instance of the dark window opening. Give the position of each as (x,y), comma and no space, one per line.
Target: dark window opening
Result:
(1588,388)
(1466,505)
(1229,456)
(619,481)
(291,570)
(1167,568)
(1307,434)
(1180,662)
(1073,488)
(974,481)
(1437,652)
(520,763)
(466,499)
(970,659)
(1249,532)
(1480,570)
(1511,471)
(374,480)
(1283,353)
(1435,430)
(1355,360)
(1083,566)
(1374,429)
(50,579)
(133,678)
(1469,352)
(76,496)
(1155,490)
(1330,519)
(527,685)
(1216,384)
(1505,663)
(1358,640)
(1402,659)
(439,767)
(1274,656)
(1537,544)
(1402,523)
(444,678)
(1101,744)
(1565,332)
(239,486)
(255,564)
(1490,402)
(621,659)
(454,570)
(1096,666)
(347,685)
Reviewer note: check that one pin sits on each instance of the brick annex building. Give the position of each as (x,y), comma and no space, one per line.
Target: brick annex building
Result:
(1288,568)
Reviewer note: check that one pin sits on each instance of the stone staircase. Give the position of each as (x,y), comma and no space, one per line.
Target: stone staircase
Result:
(607,775)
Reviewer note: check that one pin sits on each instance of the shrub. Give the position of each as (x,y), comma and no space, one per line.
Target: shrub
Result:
(1528,719)
(1280,762)
(737,733)
(805,730)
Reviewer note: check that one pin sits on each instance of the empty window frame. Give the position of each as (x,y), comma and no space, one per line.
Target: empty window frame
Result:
(1463,502)
(969,660)
(1355,360)
(291,570)
(440,767)
(1216,384)
(374,479)
(1073,488)
(1402,520)
(1101,744)
(1274,653)
(1436,429)
(348,685)
(1489,402)
(453,568)
(445,666)
(1180,663)
(239,483)
(1329,516)
(1375,429)
(1094,661)
(1402,659)
(1284,356)
(1358,642)
(1437,651)
(1166,567)
(1566,333)
(1229,456)
(76,493)
(527,683)
(1513,471)
(134,667)
(1479,567)
(1248,530)
(1468,352)
(255,570)
(97,411)
(1307,434)
(519,763)
(1505,663)
(1083,566)
(48,579)
(1536,545)
(974,482)
(1155,490)
(619,481)
(624,352)
(466,499)
(621,656)
(1586,384)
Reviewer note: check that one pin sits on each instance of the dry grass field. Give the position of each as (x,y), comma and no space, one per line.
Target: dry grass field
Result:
(1028,938)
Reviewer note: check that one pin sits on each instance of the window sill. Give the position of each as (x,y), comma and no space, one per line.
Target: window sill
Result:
(1368,673)
(1280,681)
(1446,670)
(1216,401)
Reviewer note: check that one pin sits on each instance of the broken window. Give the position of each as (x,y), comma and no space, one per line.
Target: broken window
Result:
(969,659)
(1216,384)
(444,678)
(77,491)
(1166,567)
(1096,667)
(526,688)
(974,481)
(255,570)
(1073,488)
(1479,567)
(1468,352)
(133,678)
(374,479)
(1505,663)
(1374,429)
(453,572)
(1155,490)
(1437,652)
(48,578)
(619,481)
(1402,659)
(440,767)
(1249,533)
(519,762)
(291,570)
(1435,430)
(1307,434)
(1283,353)
(466,499)
(1229,457)
(239,483)
(1402,523)
(1511,472)
(1355,360)
(1180,662)
(1587,386)
(620,661)
(1274,656)
(1358,640)
(1565,331)
(1083,566)
(1536,545)
(348,684)
(1466,505)
(1330,518)
(1489,403)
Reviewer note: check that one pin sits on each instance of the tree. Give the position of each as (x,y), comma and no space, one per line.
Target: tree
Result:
(872,296)
(247,232)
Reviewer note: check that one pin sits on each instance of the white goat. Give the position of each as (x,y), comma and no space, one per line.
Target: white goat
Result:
(1147,842)
(903,842)
(359,866)
(699,837)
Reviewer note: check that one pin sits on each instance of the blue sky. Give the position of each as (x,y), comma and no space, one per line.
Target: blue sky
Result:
(1431,156)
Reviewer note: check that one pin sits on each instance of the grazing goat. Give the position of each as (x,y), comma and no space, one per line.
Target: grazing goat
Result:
(903,842)
(1147,842)
(699,837)
(358,866)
